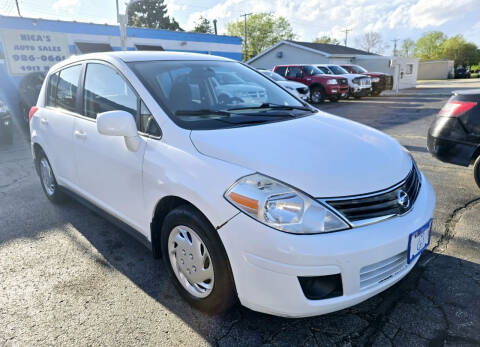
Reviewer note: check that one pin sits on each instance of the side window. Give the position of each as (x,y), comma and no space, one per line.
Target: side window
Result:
(106,90)
(281,70)
(293,71)
(67,88)
(148,124)
(52,90)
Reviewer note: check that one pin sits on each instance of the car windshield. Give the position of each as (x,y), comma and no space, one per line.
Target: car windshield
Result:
(273,75)
(337,70)
(312,70)
(216,94)
(325,70)
(358,69)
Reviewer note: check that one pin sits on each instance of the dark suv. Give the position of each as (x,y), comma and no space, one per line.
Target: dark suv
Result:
(454,136)
(462,72)
(380,81)
(321,86)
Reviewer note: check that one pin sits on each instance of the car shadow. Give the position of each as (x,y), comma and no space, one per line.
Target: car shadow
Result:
(425,289)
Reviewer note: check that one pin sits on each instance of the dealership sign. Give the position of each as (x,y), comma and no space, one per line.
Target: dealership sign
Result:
(29,51)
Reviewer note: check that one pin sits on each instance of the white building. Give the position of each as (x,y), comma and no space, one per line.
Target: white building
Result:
(403,69)
(436,69)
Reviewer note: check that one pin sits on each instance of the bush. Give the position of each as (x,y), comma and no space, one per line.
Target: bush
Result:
(474,75)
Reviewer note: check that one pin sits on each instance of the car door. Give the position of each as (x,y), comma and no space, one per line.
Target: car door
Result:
(108,173)
(295,73)
(56,122)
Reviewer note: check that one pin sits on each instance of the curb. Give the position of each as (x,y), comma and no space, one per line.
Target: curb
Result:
(418,94)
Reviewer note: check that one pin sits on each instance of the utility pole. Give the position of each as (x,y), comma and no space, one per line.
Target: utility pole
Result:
(215,26)
(346,35)
(18,8)
(395,46)
(245,33)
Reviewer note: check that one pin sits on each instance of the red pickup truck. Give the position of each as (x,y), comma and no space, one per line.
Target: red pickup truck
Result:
(321,86)
(380,80)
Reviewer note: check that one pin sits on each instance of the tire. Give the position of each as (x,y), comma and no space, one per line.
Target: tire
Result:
(376,92)
(476,171)
(47,178)
(317,95)
(183,228)
(333,99)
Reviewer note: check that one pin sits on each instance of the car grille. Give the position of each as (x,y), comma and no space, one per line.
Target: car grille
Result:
(302,90)
(343,81)
(373,274)
(381,205)
(365,81)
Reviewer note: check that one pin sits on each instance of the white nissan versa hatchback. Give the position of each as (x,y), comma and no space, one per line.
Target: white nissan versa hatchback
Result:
(261,197)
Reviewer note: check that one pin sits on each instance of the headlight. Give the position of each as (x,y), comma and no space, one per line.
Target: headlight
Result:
(375,79)
(356,80)
(282,207)
(332,82)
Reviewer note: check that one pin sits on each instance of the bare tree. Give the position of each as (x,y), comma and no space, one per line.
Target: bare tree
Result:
(372,42)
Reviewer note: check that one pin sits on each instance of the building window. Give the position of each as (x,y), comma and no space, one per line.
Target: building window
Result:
(148,48)
(89,47)
(409,70)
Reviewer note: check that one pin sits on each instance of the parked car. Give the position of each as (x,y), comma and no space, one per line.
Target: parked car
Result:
(454,136)
(292,211)
(359,85)
(28,90)
(6,125)
(380,81)
(229,87)
(321,86)
(462,72)
(298,89)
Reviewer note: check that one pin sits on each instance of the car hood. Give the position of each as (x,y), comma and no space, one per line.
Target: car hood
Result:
(323,155)
(292,84)
(374,74)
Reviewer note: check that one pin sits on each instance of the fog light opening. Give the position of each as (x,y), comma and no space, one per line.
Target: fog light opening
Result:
(321,287)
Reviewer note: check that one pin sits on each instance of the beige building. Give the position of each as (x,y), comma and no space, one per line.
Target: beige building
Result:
(404,70)
(435,69)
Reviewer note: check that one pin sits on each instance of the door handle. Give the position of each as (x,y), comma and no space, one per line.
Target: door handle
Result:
(43,120)
(80,134)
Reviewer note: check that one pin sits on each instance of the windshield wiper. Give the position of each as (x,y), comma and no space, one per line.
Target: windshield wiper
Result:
(274,107)
(203,112)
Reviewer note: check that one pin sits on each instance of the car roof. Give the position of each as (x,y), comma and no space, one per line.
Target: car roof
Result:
(467,92)
(134,56)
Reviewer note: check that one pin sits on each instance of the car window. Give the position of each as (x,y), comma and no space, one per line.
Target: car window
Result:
(52,90)
(148,124)
(67,88)
(325,70)
(193,96)
(293,71)
(311,70)
(281,70)
(106,90)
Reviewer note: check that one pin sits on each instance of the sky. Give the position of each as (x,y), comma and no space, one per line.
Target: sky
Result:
(393,19)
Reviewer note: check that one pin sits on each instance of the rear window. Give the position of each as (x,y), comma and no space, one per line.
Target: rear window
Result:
(66,96)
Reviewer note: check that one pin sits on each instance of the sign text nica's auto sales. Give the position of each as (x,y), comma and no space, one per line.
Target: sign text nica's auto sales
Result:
(29,51)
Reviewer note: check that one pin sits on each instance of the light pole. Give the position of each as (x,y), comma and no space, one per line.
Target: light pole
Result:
(122,20)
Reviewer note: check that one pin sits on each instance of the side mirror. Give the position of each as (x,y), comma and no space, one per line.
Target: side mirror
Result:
(119,123)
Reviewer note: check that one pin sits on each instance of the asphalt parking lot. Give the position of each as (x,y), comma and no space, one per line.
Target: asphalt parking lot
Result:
(70,277)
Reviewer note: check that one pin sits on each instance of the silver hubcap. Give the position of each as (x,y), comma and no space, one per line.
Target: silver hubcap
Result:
(47,176)
(316,96)
(190,261)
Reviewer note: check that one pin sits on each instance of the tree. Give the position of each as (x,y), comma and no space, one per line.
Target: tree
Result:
(428,46)
(203,25)
(408,45)
(372,42)
(151,14)
(459,50)
(263,31)
(326,39)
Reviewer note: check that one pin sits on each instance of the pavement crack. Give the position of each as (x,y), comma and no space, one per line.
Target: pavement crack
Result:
(450,225)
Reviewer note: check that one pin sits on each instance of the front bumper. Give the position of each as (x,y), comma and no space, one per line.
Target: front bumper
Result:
(359,90)
(266,263)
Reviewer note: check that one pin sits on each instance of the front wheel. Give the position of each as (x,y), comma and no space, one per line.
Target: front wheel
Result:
(196,261)
(317,95)
(476,171)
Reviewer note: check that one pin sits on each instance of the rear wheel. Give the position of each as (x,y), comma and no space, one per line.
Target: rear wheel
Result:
(196,261)
(48,180)
(317,95)
(476,171)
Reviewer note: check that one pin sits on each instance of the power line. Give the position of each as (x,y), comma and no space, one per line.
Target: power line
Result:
(346,34)
(245,33)
(18,8)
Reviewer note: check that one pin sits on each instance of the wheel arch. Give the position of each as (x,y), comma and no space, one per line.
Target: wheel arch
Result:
(162,208)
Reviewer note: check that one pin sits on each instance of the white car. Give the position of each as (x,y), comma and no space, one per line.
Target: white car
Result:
(293,211)
(359,85)
(298,89)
